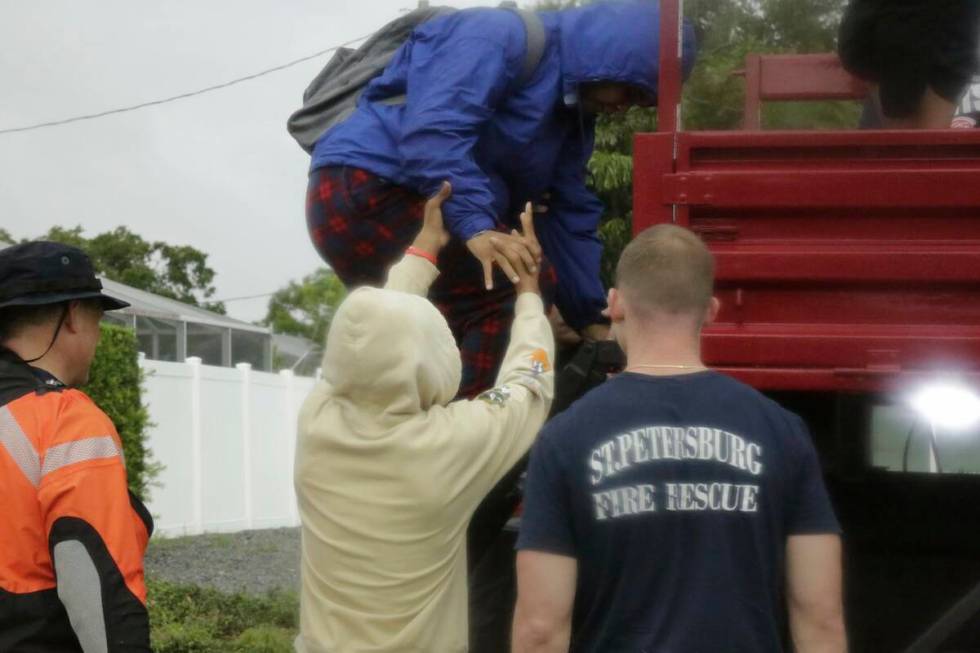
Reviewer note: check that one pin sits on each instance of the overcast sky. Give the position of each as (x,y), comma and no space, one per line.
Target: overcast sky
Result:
(218,172)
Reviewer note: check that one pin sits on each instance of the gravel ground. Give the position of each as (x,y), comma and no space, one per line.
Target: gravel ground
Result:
(251,561)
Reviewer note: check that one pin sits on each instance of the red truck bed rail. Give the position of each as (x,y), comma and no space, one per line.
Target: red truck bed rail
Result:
(846,260)
(795,77)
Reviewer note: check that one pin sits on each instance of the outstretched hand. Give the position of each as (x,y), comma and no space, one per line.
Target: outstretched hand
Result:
(527,272)
(433,236)
(512,252)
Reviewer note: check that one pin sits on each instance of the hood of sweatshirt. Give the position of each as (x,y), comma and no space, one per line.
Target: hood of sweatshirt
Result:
(615,42)
(391,353)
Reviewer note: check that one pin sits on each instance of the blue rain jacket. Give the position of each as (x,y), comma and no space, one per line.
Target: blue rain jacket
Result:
(467,118)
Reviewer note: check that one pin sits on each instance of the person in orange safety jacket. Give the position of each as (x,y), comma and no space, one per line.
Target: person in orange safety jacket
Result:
(72,536)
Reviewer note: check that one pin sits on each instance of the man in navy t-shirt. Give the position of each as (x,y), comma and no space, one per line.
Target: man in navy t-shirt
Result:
(674,509)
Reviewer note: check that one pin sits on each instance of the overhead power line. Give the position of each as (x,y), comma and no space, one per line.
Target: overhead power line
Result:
(181,96)
(238,299)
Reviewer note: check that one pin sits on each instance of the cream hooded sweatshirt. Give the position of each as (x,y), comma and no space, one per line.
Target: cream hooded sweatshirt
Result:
(389,469)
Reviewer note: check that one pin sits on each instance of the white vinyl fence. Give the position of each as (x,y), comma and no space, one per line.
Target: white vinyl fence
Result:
(226,438)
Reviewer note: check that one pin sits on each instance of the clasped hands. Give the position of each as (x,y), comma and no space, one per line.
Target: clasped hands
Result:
(518,253)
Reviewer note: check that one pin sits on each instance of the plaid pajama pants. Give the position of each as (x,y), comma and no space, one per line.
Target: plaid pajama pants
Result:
(361,225)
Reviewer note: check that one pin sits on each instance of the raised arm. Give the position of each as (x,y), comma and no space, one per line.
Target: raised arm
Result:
(418,269)
(501,423)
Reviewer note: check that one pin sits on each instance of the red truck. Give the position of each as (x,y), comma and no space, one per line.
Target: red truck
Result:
(849,273)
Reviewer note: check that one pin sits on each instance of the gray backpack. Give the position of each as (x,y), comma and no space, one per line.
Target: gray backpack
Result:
(333,94)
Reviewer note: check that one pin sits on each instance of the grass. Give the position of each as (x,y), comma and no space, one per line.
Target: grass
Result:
(191,619)
(214,540)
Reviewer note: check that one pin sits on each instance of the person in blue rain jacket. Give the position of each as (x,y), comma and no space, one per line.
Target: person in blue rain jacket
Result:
(469,118)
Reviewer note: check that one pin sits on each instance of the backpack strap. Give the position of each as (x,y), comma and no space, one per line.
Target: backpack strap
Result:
(536,42)
(536,39)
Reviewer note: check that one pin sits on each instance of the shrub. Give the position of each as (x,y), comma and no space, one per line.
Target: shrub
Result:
(265,639)
(116,386)
(193,618)
(183,638)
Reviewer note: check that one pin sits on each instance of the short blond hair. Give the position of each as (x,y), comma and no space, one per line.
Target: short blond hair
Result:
(667,269)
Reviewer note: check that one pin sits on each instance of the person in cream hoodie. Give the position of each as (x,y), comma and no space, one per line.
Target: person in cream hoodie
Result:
(389,469)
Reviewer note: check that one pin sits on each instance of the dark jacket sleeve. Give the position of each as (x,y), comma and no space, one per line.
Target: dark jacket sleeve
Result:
(569,235)
(454,87)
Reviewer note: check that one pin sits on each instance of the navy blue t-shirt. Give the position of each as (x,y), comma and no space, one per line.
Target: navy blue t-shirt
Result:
(676,495)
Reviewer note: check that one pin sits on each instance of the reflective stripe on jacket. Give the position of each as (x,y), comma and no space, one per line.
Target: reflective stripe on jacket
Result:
(73,536)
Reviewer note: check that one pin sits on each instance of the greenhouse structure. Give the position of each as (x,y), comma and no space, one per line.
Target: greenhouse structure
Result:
(169,330)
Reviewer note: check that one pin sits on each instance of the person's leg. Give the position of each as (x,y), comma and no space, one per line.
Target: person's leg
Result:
(479,318)
(927,54)
(359,223)
(855,39)
(956,59)
(933,112)
(902,55)
(905,49)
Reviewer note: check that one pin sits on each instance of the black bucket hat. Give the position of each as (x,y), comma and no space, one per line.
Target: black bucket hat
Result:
(41,272)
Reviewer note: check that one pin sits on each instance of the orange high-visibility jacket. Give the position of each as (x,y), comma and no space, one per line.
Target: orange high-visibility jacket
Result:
(72,536)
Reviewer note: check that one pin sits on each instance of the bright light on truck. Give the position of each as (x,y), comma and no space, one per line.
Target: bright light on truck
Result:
(948,405)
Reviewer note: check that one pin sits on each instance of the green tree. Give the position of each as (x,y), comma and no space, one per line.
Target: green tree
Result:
(5,237)
(180,272)
(305,308)
(116,386)
(611,177)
